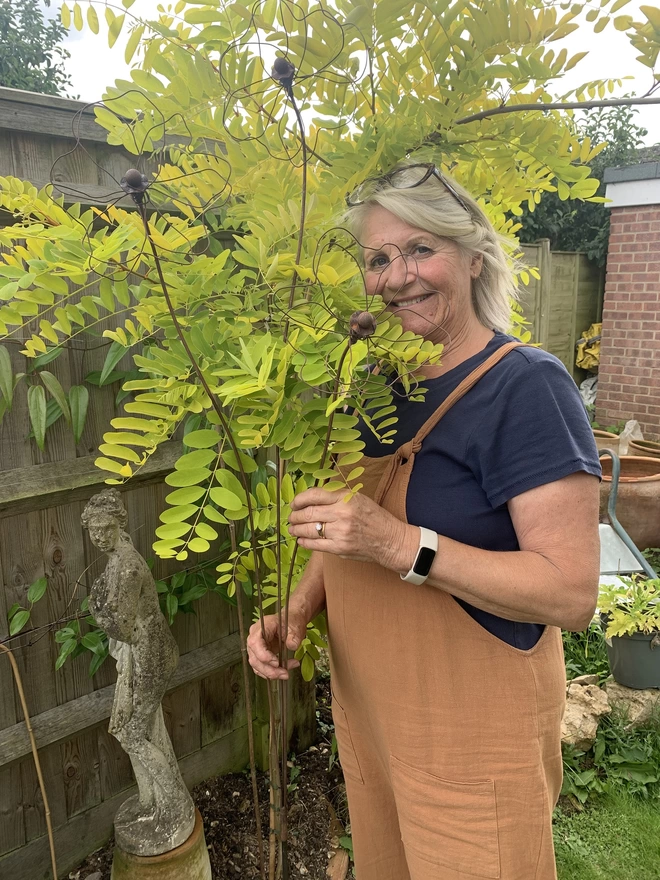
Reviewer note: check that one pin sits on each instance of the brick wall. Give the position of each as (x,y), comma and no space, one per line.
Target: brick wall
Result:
(629,374)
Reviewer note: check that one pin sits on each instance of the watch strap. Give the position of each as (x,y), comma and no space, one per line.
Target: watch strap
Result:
(428,547)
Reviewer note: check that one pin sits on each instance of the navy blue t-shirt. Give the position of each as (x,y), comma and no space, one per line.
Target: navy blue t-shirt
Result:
(522,425)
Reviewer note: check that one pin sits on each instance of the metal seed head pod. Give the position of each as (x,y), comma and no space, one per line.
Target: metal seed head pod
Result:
(283,71)
(134,184)
(361,325)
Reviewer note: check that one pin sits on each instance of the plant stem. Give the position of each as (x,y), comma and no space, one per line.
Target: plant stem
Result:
(564,105)
(248,708)
(225,425)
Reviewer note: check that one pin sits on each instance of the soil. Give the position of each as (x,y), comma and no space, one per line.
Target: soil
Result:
(317,814)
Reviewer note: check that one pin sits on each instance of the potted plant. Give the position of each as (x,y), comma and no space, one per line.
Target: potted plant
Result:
(630,616)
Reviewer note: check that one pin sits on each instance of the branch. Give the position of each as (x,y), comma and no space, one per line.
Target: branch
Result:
(569,105)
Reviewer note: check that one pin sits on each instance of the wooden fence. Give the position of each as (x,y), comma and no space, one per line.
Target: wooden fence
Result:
(562,304)
(42,495)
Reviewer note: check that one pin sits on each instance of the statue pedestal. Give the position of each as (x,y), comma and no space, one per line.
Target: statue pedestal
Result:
(189,861)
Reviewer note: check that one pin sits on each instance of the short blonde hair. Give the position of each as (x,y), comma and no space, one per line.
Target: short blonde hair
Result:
(431,207)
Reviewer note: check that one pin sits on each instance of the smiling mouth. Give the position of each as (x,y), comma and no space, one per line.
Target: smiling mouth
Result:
(405,303)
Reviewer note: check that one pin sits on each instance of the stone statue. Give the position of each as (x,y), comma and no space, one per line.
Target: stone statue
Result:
(124,603)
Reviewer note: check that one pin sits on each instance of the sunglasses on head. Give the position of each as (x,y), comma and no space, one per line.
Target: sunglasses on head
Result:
(407,177)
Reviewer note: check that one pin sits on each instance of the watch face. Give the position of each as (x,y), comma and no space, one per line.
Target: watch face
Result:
(424,561)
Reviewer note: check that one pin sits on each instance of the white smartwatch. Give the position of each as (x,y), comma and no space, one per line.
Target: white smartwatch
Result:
(428,547)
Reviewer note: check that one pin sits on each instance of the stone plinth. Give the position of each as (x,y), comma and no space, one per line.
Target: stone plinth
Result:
(190,861)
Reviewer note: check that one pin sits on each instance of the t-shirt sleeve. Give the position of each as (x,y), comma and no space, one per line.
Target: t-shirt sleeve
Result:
(535,431)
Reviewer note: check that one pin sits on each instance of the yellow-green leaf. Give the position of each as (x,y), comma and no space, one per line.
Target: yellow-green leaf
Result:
(226,499)
(133,43)
(92,19)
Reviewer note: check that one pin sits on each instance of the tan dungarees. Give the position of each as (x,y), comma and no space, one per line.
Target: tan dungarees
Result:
(449,738)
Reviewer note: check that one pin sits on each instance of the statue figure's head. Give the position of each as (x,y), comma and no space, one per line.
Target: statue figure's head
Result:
(105,518)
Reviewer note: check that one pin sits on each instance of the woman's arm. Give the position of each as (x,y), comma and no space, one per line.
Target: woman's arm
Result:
(552,579)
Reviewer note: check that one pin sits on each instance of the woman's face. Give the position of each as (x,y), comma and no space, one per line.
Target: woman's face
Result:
(424,279)
(104,533)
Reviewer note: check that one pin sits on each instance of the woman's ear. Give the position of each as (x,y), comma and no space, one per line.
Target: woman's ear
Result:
(476,265)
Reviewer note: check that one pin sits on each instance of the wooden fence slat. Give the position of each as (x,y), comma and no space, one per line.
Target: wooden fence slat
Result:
(62,722)
(33,488)
(115,772)
(80,762)
(222,703)
(12,823)
(50,759)
(181,711)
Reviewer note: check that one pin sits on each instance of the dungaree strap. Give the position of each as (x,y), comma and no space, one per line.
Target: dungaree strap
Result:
(408,450)
(460,391)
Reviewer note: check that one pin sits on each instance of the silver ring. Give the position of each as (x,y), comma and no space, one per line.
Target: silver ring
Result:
(320,529)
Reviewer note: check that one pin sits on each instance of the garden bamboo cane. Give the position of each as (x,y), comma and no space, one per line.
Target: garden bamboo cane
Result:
(35,755)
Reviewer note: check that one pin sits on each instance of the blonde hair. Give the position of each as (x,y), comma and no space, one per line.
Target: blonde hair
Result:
(431,207)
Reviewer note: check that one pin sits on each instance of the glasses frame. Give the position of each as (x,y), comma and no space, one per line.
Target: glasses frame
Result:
(431,171)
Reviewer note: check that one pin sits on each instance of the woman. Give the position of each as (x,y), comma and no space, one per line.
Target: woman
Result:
(448,577)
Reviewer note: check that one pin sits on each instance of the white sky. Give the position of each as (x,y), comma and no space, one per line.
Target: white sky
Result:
(93,65)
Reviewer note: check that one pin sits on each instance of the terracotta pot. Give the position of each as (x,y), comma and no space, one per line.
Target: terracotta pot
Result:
(606,440)
(638,501)
(646,448)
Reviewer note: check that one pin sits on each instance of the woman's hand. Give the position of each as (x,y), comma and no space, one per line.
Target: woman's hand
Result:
(356,529)
(263,652)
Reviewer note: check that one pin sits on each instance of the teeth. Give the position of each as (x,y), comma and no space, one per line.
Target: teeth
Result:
(410,302)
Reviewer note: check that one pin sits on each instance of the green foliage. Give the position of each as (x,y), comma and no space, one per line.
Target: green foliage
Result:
(621,759)
(585,226)
(31,55)
(585,653)
(631,607)
(18,617)
(653,556)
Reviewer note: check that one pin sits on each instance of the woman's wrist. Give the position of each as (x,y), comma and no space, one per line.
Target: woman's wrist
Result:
(400,551)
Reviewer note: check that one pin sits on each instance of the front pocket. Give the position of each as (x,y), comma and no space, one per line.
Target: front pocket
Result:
(450,824)
(347,756)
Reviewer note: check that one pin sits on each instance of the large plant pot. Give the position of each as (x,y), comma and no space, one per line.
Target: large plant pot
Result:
(606,440)
(634,660)
(638,501)
(644,448)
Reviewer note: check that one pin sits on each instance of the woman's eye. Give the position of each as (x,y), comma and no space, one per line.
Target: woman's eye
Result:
(423,250)
(378,262)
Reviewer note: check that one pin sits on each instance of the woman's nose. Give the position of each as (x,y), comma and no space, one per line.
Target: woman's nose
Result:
(401,270)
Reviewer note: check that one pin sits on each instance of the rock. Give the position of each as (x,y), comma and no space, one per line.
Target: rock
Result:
(584,679)
(95,876)
(639,705)
(585,705)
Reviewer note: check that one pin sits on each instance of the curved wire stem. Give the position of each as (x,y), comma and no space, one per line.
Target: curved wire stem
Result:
(35,755)
(303,205)
(226,428)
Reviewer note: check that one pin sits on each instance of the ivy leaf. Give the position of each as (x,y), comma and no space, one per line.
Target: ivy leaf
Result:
(18,621)
(36,397)
(37,590)
(78,402)
(6,376)
(68,647)
(53,385)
